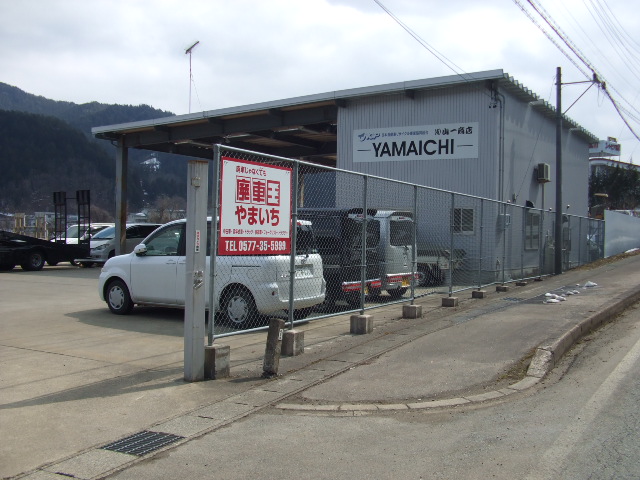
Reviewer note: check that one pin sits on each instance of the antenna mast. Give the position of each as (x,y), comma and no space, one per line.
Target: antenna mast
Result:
(188,51)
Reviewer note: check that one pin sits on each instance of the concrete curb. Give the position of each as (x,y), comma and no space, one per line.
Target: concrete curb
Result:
(544,360)
(548,356)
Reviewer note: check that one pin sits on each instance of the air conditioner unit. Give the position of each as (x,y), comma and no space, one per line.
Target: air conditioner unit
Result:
(543,173)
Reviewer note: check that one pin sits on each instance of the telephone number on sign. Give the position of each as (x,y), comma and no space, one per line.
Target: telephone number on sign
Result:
(253,246)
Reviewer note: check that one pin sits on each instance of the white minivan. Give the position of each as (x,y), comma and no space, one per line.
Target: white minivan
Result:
(247,286)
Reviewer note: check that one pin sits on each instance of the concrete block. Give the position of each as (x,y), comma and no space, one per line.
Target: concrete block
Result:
(478,294)
(541,363)
(361,324)
(411,311)
(521,284)
(450,301)
(293,343)
(502,288)
(217,361)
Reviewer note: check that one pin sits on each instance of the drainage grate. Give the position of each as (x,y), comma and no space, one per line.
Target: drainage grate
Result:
(142,443)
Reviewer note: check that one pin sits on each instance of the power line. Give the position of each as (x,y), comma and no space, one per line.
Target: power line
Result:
(574,49)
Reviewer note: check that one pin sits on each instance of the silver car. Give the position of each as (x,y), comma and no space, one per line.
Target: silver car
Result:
(103,243)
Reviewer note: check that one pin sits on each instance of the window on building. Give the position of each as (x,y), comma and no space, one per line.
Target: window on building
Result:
(532,231)
(463,220)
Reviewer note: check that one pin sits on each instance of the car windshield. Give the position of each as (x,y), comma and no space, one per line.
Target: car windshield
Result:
(306,240)
(106,234)
(72,231)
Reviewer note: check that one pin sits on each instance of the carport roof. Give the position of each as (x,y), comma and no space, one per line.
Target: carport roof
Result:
(301,127)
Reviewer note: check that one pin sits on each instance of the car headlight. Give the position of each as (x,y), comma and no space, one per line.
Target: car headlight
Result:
(99,248)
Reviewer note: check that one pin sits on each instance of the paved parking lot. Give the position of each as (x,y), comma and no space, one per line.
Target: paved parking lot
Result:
(64,357)
(73,376)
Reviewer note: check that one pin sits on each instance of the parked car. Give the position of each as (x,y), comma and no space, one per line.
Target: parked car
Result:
(395,251)
(339,235)
(247,285)
(103,243)
(75,232)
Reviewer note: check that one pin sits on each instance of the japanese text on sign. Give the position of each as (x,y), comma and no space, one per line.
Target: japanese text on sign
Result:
(255,208)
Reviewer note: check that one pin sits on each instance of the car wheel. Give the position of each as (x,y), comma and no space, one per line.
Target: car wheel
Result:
(35,261)
(353,299)
(375,292)
(118,298)
(238,307)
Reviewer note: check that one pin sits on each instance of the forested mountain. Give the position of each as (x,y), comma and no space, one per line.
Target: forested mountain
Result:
(47,146)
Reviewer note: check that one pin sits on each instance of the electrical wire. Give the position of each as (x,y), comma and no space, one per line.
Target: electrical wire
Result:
(597,77)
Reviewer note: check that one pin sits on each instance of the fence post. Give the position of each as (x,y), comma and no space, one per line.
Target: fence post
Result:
(213,240)
(481,242)
(451,229)
(363,253)
(414,254)
(540,245)
(294,240)
(580,240)
(525,213)
(504,239)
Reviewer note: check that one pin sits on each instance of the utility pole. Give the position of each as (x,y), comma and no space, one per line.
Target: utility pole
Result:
(558,229)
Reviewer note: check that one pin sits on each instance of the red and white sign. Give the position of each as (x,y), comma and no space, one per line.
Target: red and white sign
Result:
(255,209)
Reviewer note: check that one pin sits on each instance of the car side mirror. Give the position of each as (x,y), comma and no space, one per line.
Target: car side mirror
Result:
(140,250)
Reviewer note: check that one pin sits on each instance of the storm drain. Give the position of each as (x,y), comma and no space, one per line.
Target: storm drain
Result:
(142,443)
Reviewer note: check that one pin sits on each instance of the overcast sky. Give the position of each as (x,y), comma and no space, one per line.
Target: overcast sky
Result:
(133,51)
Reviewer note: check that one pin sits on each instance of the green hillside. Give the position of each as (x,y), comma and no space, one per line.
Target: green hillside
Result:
(47,146)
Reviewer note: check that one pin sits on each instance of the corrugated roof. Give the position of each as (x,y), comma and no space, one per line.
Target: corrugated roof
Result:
(299,127)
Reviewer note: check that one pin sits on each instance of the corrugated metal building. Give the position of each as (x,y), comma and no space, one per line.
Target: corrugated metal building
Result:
(514,132)
(481,134)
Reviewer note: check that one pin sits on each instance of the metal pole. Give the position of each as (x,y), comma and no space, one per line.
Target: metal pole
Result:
(525,213)
(481,239)
(541,242)
(414,253)
(363,253)
(580,240)
(213,240)
(504,240)
(452,220)
(294,240)
(122,161)
(558,230)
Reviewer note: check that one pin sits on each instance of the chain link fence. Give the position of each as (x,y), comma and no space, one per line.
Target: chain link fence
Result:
(361,242)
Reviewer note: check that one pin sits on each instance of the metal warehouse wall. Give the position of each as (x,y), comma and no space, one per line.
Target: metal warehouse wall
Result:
(529,139)
(477,176)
